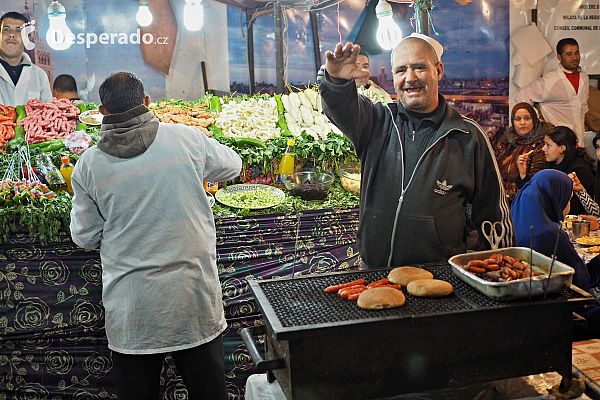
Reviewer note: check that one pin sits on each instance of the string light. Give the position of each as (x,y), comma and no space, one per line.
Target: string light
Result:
(388,33)
(144,16)
(59,36)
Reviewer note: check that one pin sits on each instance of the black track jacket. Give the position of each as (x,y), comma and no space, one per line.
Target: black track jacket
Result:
(427,220)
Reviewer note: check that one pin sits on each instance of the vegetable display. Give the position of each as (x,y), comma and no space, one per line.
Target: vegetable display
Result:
(304,114)
(250,199)
(252,118)
(24,192)
(257,129)
(7,125)
(260,152)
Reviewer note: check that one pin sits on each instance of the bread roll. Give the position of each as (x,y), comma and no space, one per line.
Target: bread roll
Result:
(429,288)
(404,275)
(381,297)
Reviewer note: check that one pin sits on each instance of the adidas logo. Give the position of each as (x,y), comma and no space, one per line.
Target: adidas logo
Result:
(443,188)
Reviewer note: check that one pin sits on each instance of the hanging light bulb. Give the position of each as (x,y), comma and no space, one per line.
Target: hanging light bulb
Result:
(388,33)
(59,36)
(144,16)
(193,15)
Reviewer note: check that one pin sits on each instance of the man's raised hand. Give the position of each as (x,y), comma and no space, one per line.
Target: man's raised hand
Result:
(341,63)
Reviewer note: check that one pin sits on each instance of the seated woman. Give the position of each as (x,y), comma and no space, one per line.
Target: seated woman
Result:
(563,154)
(542,204)
(526,134)
(592,210)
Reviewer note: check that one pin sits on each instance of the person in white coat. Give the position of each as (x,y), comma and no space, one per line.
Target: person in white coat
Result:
(20,79)
(563,93)
(139,197)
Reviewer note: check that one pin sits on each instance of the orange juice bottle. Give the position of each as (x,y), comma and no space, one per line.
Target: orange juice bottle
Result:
(66,170)
(211,187)
(287,164)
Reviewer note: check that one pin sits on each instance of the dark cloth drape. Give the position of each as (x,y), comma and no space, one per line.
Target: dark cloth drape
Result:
(52,339)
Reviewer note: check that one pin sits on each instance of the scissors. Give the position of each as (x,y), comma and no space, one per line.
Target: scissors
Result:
(496,235)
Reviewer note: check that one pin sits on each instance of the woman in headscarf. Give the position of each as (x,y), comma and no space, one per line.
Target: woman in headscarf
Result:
(525,134)
(563,154)
(542,204)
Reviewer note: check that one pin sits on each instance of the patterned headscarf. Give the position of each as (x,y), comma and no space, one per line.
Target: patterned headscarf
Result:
(538,132)
(527,107)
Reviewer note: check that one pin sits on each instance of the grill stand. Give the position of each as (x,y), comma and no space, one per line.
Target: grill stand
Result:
(386,360)
(389,356)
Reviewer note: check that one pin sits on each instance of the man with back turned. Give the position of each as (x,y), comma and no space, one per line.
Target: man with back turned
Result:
(139,198)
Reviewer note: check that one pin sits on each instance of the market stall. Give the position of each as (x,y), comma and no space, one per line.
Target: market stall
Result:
(52,325)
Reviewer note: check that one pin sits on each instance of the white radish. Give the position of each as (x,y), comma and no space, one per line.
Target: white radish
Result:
(295,101)
(312,96)
(307,115)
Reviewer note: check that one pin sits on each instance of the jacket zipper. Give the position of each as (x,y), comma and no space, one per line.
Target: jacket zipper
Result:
(401,199)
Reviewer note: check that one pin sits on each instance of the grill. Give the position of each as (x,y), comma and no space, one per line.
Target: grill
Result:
(319,346)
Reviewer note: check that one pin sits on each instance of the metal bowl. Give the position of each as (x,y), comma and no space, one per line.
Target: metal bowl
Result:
(309,183)
(350,177)
(561,278)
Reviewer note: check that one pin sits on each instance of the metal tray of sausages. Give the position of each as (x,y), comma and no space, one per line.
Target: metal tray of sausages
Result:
(560,279)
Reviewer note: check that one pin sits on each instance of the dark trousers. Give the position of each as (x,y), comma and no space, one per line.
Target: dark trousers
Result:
(202,369)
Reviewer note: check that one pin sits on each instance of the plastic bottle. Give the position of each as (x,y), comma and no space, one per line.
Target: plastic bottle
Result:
(66,169)
(287,164)
(53,176)
(211,187)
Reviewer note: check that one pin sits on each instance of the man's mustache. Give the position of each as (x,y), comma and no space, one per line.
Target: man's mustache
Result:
(405,87)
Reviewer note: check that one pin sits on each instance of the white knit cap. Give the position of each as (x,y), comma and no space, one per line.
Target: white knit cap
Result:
(439,49)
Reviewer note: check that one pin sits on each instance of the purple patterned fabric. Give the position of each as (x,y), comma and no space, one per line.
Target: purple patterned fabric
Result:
(52,339)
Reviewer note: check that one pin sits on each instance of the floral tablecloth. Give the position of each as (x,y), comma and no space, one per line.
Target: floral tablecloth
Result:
(52,339)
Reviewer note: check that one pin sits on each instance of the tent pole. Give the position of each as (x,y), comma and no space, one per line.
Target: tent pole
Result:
(316,41)
(250,50)
(279,69)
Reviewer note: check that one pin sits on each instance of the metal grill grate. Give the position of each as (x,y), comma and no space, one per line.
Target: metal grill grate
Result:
(302,301)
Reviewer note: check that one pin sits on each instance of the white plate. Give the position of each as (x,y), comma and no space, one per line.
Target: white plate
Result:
(211,198)
(249,187)
(91,117)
